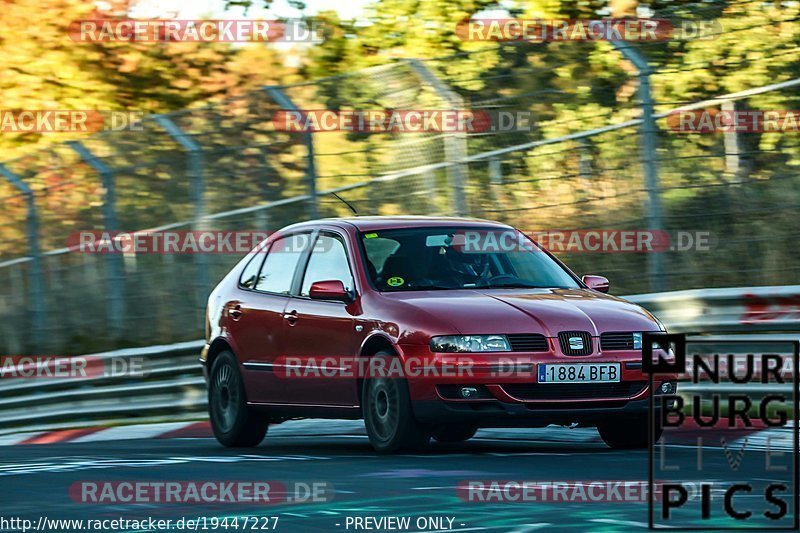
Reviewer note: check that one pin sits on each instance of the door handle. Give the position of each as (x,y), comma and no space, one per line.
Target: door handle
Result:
(235,312)
(291,317)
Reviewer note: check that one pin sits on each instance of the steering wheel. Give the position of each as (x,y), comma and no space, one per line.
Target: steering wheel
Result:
(501,277)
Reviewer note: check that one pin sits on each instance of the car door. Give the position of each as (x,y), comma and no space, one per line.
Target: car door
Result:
(256,319)
(322,329)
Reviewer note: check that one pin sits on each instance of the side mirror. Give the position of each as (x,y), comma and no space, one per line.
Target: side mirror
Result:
(329,290)
(598,283)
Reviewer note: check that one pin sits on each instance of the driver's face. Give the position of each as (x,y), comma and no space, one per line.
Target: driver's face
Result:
(468,263)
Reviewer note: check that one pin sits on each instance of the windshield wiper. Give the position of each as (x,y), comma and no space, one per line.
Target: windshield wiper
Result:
(421,288)
(516,285)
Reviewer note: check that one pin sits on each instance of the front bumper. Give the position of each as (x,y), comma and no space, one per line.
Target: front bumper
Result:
(509,398)
(502,414)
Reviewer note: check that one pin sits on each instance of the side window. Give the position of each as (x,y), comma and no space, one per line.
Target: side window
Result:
(278,270)
(249,274)
(328,262)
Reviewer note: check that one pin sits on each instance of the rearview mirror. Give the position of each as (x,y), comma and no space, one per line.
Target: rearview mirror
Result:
(329,290)
(598,283)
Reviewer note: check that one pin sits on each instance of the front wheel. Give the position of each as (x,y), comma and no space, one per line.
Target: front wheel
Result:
(233,422)
(627,433)
(388,416)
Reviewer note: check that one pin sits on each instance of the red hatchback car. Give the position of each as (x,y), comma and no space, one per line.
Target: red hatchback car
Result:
(424,327)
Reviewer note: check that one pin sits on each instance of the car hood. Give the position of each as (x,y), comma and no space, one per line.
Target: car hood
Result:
(545,311)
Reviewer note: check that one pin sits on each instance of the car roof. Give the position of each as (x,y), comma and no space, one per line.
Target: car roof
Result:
(374,223)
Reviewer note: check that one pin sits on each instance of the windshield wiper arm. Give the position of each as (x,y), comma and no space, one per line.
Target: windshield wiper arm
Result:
(516,285)
(420,288)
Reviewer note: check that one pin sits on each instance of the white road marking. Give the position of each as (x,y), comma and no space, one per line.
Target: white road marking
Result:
(531,527)
(542,435)
(776,439)
(623,522)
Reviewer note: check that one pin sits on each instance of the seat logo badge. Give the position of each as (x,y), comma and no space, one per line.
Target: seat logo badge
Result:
(575,343)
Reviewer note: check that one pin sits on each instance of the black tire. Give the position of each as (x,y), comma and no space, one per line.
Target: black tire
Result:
(233,422)
(388,416)
(454,433)
(627,433)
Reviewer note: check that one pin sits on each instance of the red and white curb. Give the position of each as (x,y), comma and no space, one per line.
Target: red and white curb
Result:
(95,434)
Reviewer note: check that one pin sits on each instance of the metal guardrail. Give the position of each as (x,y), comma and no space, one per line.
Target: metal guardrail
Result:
(173,387)
(734,310)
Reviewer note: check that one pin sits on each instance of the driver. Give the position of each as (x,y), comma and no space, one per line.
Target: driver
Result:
(466,268)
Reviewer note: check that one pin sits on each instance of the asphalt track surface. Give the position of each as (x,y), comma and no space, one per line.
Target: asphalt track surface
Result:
(35,479)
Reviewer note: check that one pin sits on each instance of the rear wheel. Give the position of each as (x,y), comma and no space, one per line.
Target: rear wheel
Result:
(627,433)
(388,416)
(233,422)
(454,433)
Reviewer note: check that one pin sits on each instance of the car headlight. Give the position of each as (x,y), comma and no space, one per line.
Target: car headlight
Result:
(637,341)
(470,343)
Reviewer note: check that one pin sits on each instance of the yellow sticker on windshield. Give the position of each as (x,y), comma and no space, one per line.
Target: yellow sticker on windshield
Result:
(370,235)
(395,281)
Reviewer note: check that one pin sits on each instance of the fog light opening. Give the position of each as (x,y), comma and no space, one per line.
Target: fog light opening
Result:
(469,392)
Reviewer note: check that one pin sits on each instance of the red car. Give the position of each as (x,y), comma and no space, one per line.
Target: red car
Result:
(425,327)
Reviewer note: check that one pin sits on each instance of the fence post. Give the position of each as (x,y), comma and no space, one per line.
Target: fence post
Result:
(731,140)
(194,154)
(116,304)
(35,273)
(655,261)
(282,99)
(455,145)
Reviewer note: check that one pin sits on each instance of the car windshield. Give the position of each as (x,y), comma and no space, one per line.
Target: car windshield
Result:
(459,258)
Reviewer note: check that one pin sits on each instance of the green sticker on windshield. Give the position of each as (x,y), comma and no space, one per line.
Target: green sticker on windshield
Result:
(370,235)
(395,281)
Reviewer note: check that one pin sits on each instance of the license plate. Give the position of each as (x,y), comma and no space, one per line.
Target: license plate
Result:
(580,373)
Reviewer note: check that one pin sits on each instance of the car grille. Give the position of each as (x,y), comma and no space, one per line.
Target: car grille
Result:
(528,342)
(574,391)
(616,341)
(586,338)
